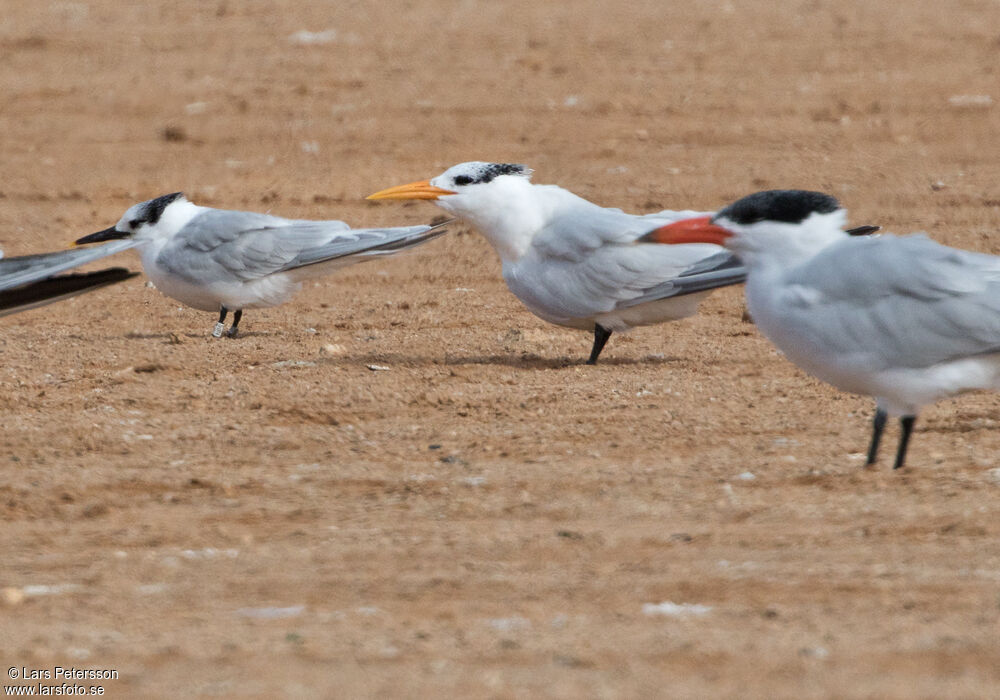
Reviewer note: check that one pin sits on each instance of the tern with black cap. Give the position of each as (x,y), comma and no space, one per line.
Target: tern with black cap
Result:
(570,261)
(901,318)
(220,260)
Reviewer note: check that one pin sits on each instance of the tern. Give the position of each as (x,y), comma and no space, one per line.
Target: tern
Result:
(219,260)
(572,262)
(903,319)
(30,281)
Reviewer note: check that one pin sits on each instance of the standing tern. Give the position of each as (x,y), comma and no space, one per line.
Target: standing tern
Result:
(903,319)
(572,262)
(30,281)
(218,260)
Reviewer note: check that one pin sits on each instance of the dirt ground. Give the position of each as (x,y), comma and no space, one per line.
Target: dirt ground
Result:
(268,517)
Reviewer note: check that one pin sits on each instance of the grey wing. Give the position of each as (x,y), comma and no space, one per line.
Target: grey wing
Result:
(367,242)
(905,301)
(576,227)
(586,261)
(218,244)
(718,270)
(25,269)
(610,278)
(214,228)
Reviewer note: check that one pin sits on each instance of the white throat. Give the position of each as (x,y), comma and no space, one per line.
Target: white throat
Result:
(776,243)
(507,211)
(176,216)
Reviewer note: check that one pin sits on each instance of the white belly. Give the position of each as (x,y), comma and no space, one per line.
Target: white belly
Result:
(210,296)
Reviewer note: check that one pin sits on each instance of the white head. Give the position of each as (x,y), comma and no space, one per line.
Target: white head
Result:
(782,226)
(154,219)
(466,188)
(493,197)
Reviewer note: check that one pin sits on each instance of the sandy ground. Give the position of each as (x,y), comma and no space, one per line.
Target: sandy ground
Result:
(267,517)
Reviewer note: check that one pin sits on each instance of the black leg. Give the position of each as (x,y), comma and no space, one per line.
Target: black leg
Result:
(878,425)
(601,335)
(237,315)
(906,422)
(217,331)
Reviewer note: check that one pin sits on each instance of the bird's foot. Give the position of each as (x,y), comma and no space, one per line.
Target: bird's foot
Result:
(232,332)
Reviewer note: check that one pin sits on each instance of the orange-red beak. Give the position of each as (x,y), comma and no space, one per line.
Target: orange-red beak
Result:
(421,189)
(697,230)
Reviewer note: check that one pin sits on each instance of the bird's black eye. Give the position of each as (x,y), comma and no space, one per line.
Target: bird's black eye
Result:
(463,180)
(134,223)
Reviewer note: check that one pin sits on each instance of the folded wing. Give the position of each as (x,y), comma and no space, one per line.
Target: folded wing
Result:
(368,242)
(249,246)
(586,261)
(898,301)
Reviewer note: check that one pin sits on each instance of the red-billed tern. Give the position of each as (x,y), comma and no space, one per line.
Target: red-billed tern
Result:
(901,318)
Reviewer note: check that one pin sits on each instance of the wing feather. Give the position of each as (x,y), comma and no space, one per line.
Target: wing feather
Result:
(367,243)
(898,301)
(46,291)
(251,246)
(585,261)
(24,269)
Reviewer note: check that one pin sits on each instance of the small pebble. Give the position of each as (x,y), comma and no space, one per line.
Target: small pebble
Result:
(668,609)
(970,101)
(292,363)
(12,596)
(814,653)
(509,624)
(271,613)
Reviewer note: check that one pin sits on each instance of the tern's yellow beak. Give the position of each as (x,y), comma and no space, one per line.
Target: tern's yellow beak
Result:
(422,189)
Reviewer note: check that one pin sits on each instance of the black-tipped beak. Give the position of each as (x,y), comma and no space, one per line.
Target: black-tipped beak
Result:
(108,234)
